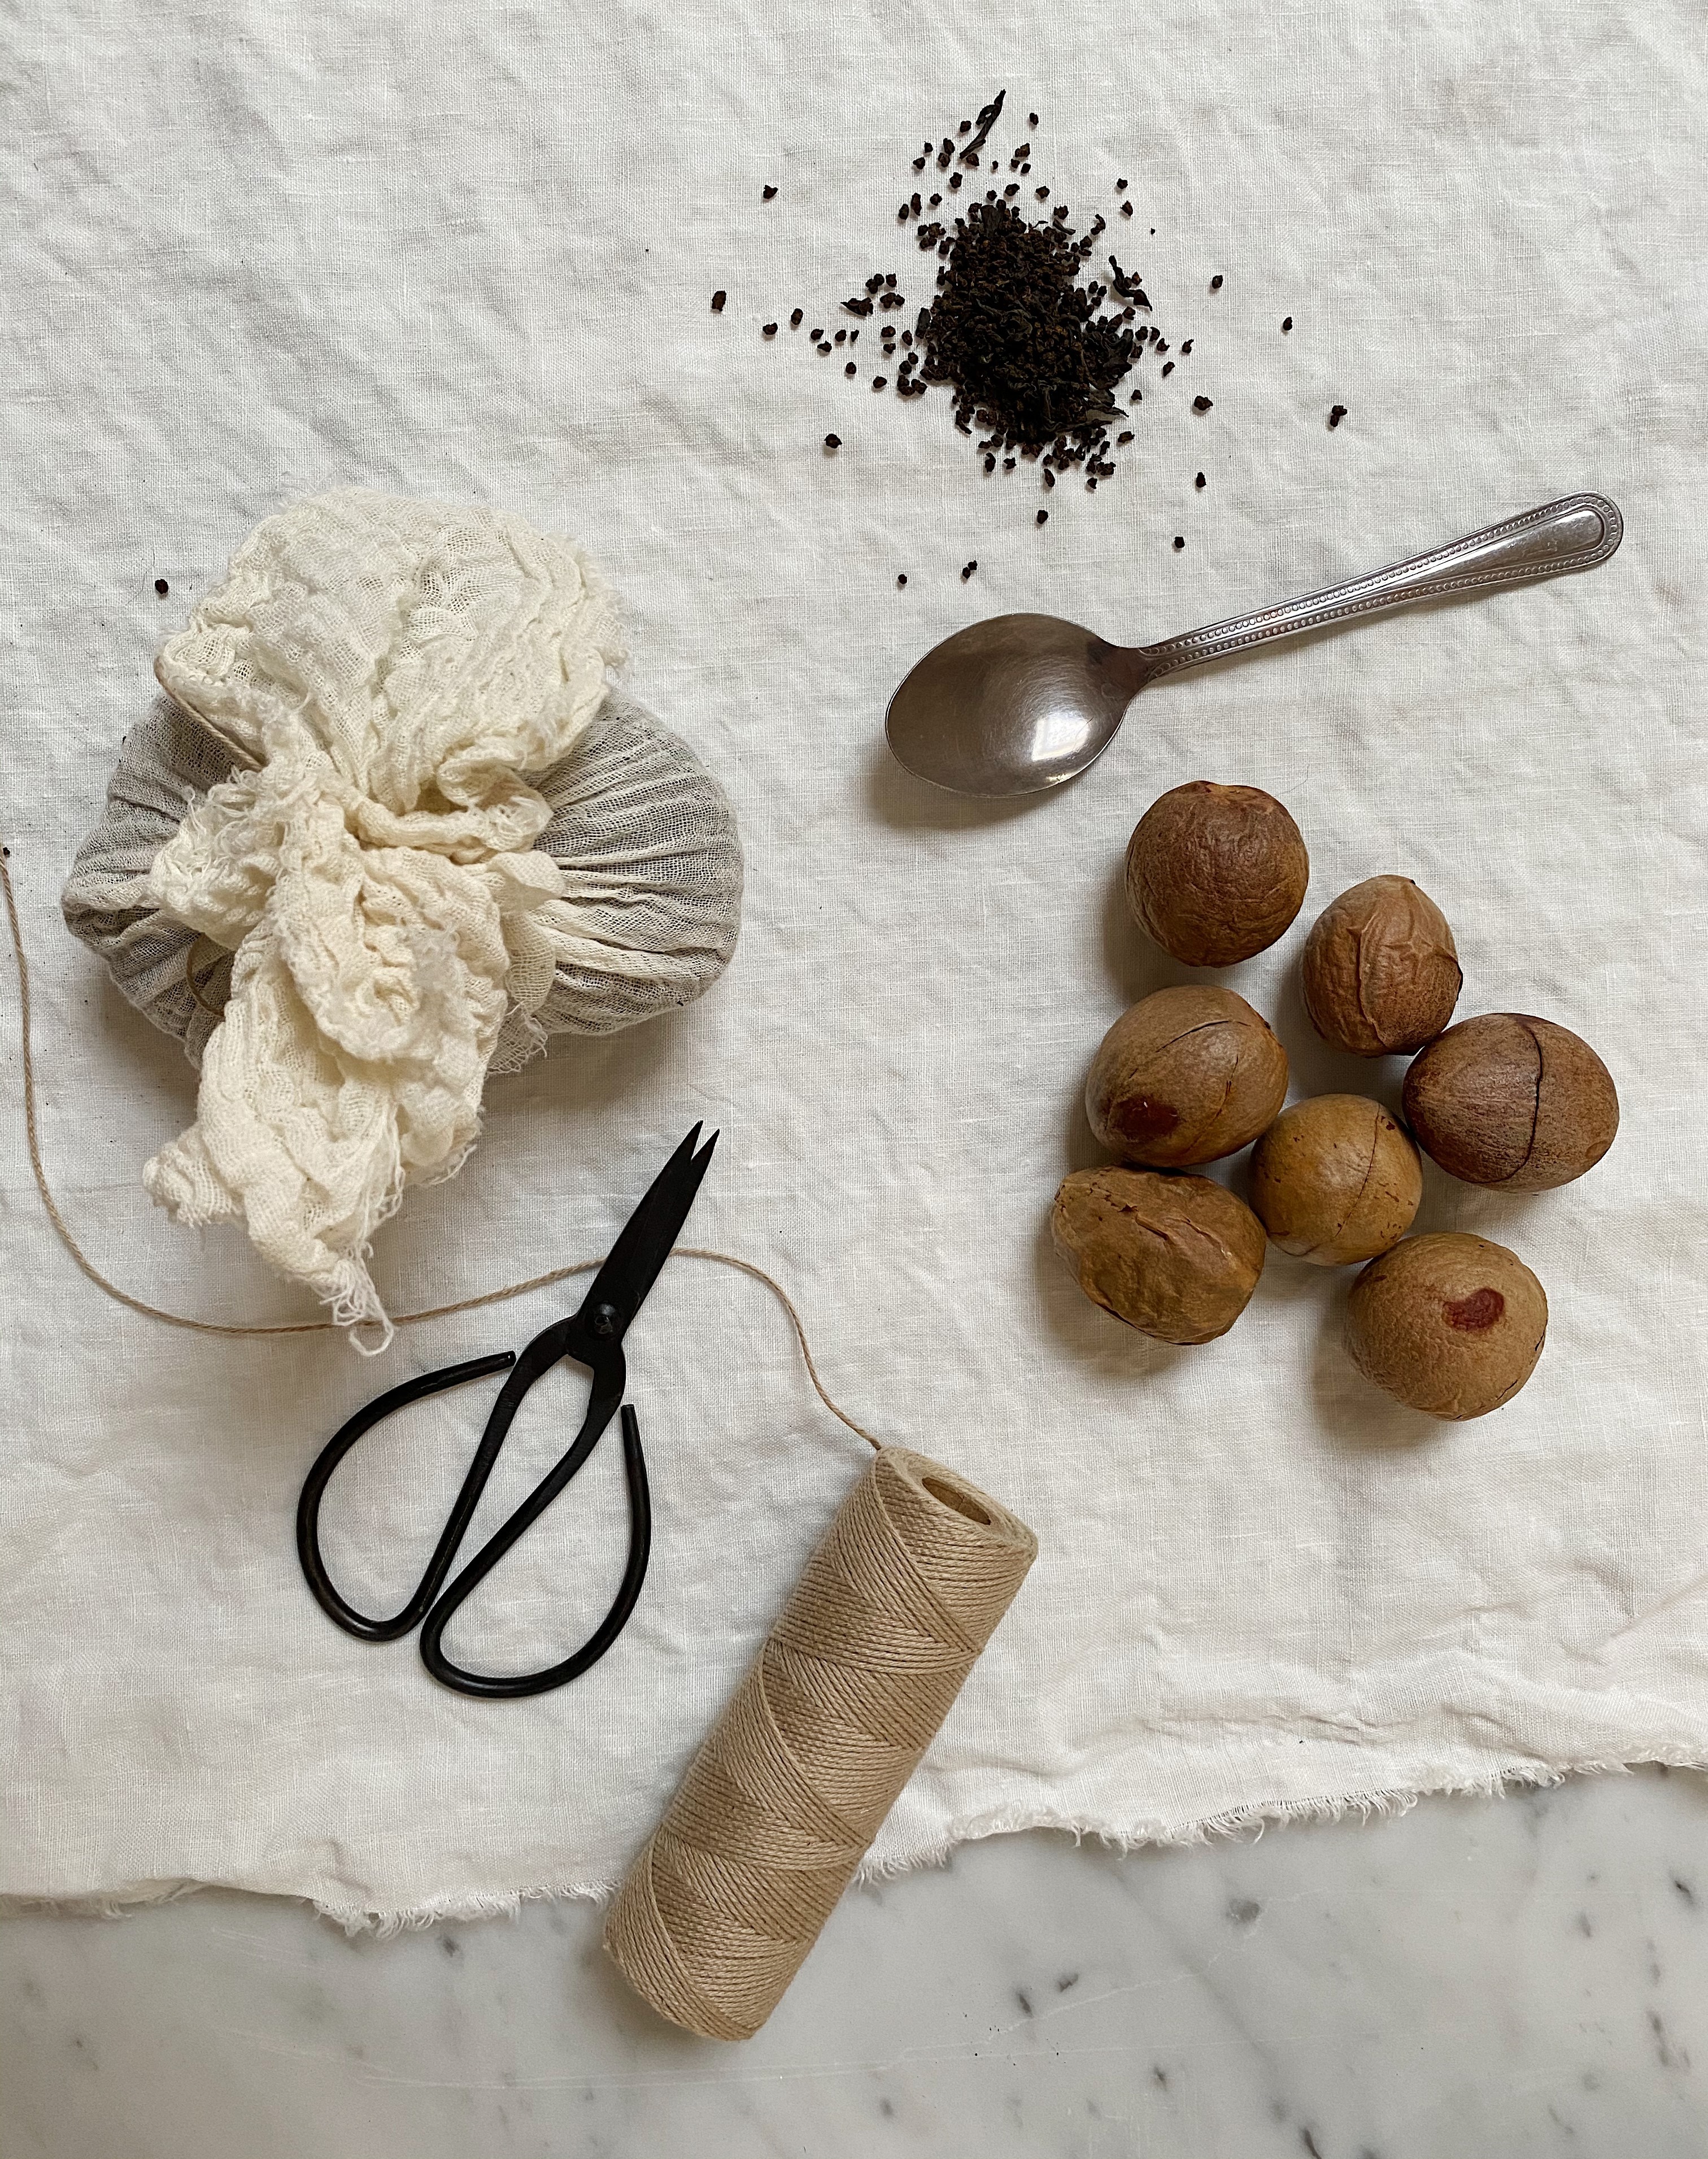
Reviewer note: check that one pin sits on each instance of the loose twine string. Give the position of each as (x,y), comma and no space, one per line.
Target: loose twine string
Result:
(785,1797)
(67,1237)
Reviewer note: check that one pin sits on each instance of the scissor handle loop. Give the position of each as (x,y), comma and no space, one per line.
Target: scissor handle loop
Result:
(426,1607)
(327,1594)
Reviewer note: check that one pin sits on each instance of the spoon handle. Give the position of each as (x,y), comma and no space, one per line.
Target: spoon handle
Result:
(1575,533)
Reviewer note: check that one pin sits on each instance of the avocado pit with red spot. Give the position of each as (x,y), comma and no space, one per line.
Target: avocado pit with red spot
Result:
(1448,1323)
(1185,1076)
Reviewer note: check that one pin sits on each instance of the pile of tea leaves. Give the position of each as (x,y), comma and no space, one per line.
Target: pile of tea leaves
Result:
(1029,332)
(1031,355)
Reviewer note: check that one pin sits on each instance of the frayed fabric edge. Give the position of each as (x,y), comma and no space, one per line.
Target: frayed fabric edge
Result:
(385,1924)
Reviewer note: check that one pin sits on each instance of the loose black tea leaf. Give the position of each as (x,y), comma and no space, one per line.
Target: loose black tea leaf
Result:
(768,193)
(1202,404)
(717,301)
(1178,543)
(988,117)
(1336,414)
(833,442)
(1286,323)
(1200,481)
(1216,282)
(795,320)
(967,571)
(770,330)
(1043,517)
(903,579)
(162,586)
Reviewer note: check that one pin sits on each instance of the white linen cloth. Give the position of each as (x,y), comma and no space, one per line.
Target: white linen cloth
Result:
(453,252)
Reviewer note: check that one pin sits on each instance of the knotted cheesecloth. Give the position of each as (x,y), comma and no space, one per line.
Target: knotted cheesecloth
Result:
(391,831)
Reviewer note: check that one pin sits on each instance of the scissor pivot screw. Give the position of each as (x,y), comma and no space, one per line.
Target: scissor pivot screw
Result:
(603,1319)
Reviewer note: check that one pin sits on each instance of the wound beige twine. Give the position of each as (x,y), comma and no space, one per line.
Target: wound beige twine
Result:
(785,1798)
(787,1795)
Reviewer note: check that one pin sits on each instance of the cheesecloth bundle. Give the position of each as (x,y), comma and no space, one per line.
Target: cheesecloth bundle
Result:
(392,831)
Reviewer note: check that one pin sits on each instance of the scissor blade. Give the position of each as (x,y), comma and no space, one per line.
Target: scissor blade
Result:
(644,1241)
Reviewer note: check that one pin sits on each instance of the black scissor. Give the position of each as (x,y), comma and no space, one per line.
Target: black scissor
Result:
(594,1337)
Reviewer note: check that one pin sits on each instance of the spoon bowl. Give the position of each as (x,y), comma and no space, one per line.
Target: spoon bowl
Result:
(1020,703)
(1011,705)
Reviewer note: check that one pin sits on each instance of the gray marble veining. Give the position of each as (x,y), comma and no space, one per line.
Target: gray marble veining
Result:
(1515,1977)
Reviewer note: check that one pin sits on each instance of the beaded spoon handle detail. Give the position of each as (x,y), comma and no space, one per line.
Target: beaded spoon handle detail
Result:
(1023,702)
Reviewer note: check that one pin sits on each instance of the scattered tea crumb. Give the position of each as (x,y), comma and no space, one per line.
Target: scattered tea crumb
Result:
(796,319)
(717,301)
(1032,120)
(770,330)
(1200,481)
(1120,187)
(1126,209)
(1178,543)
(1336,414)
(162,586)
(879,380)
(852,368)
(1202,404)
(903,579)
(768,193)
(1043,517)
(1168,367)
(1286,323)
(967,570)
(1216,282)
(833,442)
(1123,438)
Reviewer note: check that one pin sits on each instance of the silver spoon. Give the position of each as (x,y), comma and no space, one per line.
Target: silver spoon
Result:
(1023,702)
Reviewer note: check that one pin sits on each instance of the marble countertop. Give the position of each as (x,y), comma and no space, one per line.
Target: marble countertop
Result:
(1516,1976)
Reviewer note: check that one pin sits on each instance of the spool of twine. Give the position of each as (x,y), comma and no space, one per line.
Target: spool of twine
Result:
(783,1801)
